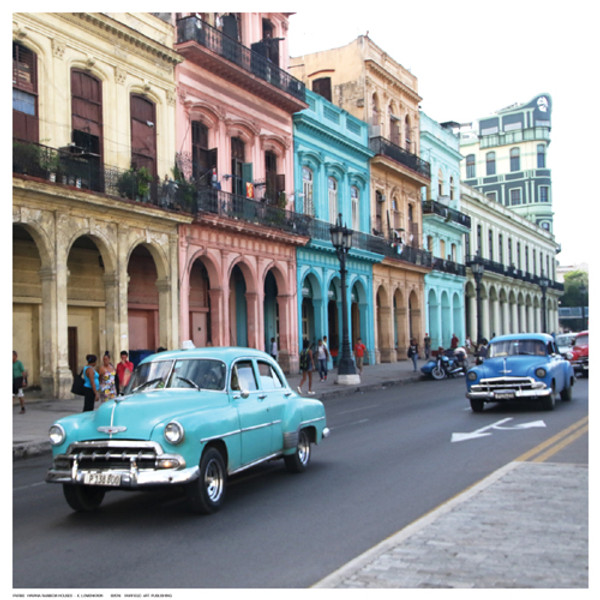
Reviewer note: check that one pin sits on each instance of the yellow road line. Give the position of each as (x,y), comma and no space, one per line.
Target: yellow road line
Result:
(561,439)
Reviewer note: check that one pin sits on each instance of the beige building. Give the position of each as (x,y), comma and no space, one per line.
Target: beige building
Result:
(95,242)
(365,81)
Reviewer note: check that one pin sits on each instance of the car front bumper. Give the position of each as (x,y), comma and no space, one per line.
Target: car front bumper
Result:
(508,390)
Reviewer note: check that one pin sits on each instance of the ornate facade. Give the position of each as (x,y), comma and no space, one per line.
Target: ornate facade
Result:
(370,85)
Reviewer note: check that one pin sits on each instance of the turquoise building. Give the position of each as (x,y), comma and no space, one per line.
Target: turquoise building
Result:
(331,171)
(444,231)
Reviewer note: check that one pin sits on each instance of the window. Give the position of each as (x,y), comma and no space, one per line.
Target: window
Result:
(515,196)
(242,377)
(478,240)
(307,190)
(500,249)
(451,188)
(541,156)
(25,110)
(470,166)
(515,159)
(238,152)
(143,133)
(490,163)
(203,159)
(407,133)
(269,380)
(491,244)
(492,196)
(332,186)
(354,197)
(322,86)
(543,193)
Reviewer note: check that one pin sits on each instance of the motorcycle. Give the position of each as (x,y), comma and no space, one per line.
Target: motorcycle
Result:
(444,365)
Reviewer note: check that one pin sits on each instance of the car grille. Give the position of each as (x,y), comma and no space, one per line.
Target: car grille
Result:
(497,384)
(113,455)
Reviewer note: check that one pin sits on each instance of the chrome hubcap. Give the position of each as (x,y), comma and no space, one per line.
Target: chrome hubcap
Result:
(213,480)
(303,449)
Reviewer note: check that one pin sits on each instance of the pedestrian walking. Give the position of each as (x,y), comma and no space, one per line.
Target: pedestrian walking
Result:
(427,346)
(91,383)
(322,357)
(413,352)
(19,380)
(273,350)
(359,354)
(307,366)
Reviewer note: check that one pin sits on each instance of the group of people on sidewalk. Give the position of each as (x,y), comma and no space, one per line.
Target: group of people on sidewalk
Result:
(105,382)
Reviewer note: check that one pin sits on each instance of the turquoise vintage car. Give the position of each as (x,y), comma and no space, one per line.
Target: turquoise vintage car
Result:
(187,418)
(520,367)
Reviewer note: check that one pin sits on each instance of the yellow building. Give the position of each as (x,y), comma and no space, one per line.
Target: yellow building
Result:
(362,79)
(94,243)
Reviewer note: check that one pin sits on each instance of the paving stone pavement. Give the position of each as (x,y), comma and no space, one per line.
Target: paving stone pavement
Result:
(524,526)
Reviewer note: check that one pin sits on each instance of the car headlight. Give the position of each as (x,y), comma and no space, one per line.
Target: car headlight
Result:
(57,435)
(569,355)
(541,373)
(471,376)
(174,433)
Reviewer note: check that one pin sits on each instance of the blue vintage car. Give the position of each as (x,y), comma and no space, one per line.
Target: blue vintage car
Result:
(520,367)
(187,418)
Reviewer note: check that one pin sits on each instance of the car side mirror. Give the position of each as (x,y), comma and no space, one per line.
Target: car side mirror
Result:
(479,360)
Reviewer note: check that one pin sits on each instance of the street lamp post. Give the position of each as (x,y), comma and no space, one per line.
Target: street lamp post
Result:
(478,269)
(341,238)
(544,283)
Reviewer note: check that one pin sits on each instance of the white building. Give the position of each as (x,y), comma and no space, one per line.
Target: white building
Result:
(519,271)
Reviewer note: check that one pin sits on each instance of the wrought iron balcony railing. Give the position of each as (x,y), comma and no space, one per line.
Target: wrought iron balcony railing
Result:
(437,208)
(380,145)
(449,266)
(225,204)
(193,29)
(319,230)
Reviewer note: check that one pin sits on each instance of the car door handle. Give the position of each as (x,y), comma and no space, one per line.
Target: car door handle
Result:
(262,396)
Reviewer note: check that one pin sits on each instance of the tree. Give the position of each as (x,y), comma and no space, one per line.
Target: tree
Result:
(576,289)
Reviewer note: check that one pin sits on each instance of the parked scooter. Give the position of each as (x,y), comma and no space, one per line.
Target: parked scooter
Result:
(451,363)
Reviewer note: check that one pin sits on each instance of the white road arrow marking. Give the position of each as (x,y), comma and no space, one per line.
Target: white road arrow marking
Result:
(483,431)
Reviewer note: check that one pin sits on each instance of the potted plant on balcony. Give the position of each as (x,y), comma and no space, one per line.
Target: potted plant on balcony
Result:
(50,163)
(135,184)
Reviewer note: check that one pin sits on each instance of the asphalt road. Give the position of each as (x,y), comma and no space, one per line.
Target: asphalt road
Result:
(390,459)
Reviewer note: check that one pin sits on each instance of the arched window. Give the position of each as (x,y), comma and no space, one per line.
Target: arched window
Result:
(307,190)
(451,188)
(394,127)
(490,163)
(515,159)
(407,140)
(25,94)
(332,188)
(354,198)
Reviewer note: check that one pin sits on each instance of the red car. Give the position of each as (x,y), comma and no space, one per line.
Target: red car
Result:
(580,352)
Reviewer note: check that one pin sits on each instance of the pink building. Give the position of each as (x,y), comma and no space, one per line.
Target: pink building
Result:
(234,141)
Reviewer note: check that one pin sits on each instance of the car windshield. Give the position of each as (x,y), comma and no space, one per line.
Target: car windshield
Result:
(200,374)
(564,340)
(517,347)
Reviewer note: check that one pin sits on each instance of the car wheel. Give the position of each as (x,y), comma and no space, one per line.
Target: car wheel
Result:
(207,493)
(476,405)
(550,402)
(438,373)
(297,462)
(83,498)
(567,394)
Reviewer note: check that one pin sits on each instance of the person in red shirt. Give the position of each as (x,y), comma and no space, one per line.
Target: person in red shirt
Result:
(359,354)
(124,371)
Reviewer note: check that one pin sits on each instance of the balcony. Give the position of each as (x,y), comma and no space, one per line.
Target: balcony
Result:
(319,230)
(79,170)
(380,145)
(208,47)
(449,266)
(217,202)
(431,207)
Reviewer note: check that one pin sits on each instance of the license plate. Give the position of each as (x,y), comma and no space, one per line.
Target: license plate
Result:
(96,478)
(504,395)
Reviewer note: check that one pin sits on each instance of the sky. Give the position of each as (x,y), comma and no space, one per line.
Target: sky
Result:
(472,58)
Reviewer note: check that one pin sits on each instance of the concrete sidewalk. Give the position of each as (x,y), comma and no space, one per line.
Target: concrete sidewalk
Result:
(524,526)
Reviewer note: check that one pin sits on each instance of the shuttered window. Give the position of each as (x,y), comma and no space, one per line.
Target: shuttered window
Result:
(86,111)
(25,99)
(143,133)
